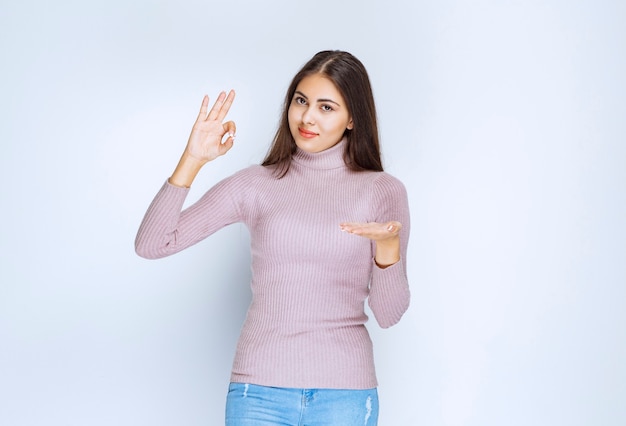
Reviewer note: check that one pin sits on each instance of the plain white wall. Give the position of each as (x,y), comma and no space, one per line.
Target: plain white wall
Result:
(505,119)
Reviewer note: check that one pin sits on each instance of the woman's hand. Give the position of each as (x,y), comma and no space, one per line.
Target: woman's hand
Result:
(373,231)
(206,141)
(386,235)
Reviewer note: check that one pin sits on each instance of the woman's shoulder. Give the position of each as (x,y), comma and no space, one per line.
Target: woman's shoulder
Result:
(253,172)
(252,178)
(384,181)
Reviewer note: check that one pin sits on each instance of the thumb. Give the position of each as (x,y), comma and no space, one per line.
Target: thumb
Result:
(394,227)
(227,144)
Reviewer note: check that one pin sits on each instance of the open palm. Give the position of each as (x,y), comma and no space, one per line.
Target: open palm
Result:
(373,230)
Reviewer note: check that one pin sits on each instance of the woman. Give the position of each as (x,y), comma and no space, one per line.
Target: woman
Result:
(304,355)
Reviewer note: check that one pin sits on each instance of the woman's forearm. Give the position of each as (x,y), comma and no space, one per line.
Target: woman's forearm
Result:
(186,171)
(387,251)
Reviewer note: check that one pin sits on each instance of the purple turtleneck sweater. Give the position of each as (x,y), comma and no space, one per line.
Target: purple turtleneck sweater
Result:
(305,326)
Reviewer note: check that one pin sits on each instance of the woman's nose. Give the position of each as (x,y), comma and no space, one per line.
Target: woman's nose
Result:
(307,117)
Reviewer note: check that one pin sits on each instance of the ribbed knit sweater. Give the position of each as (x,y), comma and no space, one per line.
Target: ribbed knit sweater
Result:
(305,326)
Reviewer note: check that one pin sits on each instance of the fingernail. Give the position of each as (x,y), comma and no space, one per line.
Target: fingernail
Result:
(390,228)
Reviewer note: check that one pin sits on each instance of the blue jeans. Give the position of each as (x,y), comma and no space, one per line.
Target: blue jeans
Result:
(253,405)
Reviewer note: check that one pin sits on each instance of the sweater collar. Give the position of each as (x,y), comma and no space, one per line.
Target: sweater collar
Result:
(331,158)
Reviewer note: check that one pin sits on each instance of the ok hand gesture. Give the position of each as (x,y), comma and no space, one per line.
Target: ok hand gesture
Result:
(206,141)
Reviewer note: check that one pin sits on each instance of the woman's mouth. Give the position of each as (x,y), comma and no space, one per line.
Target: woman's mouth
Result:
(306,133)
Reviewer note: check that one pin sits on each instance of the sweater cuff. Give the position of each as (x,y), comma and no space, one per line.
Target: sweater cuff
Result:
(167,186)
(389,294)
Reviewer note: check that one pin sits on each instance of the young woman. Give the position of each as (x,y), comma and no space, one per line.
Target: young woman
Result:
(304,356)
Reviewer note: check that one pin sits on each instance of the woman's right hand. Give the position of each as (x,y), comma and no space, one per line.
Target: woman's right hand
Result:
(206,141)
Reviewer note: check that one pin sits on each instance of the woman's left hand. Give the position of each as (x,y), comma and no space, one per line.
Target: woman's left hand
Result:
(386,235)
(373,230)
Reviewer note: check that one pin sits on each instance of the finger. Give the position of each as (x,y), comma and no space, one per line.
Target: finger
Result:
(226,105)
(217,106)
(354,228)
(351,224)
(393,227)
(226,145)
(221,106)
(229,132)
(230,128)
(204,108)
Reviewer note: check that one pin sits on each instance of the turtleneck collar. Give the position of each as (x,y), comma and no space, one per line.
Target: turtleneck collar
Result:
(331,158)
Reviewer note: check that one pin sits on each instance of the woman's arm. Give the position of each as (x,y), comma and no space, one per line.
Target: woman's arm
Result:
(165,229)
(389,288)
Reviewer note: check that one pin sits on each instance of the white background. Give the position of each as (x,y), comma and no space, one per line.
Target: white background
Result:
(505,120)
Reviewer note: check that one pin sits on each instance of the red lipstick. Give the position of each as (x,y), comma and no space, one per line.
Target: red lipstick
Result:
(306,133)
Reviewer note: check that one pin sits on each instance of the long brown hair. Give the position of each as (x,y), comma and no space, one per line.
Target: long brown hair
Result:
(362,150)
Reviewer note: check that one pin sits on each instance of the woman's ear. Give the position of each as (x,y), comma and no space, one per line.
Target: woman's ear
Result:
(350,125)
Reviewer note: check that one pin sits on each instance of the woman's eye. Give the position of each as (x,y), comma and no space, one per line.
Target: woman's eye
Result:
(326,108)
(300,100)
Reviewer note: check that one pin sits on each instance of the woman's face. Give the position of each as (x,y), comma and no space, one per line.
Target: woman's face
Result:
(318,114)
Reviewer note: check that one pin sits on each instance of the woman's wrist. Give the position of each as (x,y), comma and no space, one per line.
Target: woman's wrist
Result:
(387,252)
(186,170)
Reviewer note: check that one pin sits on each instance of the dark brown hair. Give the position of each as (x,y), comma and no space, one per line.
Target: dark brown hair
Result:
(362,150)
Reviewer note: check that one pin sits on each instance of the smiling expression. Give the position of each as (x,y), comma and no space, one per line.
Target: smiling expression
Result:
(318,114)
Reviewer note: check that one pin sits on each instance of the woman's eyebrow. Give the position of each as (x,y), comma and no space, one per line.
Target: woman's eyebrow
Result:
(319,100)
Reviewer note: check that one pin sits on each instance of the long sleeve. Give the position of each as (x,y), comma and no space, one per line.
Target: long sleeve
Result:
(166,229)
(389,295)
